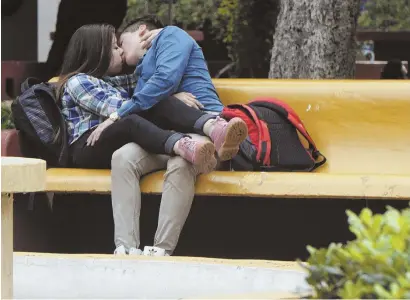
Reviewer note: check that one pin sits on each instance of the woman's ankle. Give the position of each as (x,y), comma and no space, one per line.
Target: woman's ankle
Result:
(175,149)
(171,143)
(208,126)
(200,124)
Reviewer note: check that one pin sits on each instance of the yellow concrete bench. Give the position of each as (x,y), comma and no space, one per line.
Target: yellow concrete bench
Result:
(362,127)
(18,175)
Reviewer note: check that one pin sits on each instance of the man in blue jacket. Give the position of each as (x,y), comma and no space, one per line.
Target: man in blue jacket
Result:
(174,63)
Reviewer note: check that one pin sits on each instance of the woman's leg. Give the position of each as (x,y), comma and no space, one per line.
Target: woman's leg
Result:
(172,113)
(137,130)
(124,131)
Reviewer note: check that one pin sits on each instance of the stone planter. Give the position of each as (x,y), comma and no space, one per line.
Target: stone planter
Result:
(54,276)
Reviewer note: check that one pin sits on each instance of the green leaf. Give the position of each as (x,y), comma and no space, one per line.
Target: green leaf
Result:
(381,292)
(310,249)
(392,220)
(374,265)
(366,216)
(398,243)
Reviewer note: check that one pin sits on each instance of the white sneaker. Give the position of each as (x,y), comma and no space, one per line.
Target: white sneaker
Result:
(134,251)
(120,250)
(154,251)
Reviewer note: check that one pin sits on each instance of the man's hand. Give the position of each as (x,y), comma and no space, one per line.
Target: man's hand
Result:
(189,100)
(95,135)
(148,36)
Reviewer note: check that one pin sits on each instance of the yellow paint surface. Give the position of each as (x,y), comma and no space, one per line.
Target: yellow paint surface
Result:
(362,127)
(271,264)
(252,184)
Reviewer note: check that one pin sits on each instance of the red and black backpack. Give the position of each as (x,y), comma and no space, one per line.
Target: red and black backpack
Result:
(273,143)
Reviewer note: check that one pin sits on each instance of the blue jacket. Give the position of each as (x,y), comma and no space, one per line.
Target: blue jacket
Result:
(174,63)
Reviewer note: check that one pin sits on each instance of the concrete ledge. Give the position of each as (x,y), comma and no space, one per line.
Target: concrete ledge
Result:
(22,175)
(107,276)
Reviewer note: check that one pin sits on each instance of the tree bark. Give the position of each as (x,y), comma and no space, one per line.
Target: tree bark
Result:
(315,39)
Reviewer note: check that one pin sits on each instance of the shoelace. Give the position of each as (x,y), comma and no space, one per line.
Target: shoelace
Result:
(218,122)
(221,122)
(152,252)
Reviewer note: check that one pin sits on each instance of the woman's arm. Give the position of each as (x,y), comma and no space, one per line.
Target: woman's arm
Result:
(91,94)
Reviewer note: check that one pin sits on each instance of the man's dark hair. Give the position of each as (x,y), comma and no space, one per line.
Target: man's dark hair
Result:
(151,21)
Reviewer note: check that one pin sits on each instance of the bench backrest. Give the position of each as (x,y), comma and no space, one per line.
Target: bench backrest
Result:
(363,127)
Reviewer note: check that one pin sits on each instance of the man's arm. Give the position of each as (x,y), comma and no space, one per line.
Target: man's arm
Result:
(173,50)
(90,95)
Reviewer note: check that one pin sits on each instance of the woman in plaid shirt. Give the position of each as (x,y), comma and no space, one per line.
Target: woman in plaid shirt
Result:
(90,97)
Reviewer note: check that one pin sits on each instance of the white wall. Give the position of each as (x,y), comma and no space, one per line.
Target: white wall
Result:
(46,22)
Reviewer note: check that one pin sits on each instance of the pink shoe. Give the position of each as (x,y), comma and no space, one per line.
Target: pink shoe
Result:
(199,153)
(227,136)
(209,166)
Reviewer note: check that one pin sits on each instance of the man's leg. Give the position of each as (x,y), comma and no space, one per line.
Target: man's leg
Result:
(128,164)
(177,197)
(174,114)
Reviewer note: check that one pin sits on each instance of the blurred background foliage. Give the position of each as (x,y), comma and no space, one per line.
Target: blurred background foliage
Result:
(385,15)
(244,27)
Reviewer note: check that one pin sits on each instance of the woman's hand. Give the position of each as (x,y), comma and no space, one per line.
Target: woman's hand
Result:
(148,36)
(189,100)
(95,135)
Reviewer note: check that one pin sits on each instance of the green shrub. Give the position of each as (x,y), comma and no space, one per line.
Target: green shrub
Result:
(6,117)
(374,265)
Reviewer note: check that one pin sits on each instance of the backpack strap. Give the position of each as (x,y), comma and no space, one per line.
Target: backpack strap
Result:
(264,147)
(288,113)
(264,144)
(28,83)
(48,89)
(264,137)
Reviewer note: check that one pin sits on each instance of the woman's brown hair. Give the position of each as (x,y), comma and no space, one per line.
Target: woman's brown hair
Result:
(89,51)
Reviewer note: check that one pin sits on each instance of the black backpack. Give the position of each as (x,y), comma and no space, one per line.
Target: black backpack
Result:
(41,125)
(273,143)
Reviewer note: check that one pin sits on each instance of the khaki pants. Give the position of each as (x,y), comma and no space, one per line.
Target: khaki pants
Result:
(129,164)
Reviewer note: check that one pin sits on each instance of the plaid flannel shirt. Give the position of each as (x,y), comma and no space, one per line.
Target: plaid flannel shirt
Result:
(87,101)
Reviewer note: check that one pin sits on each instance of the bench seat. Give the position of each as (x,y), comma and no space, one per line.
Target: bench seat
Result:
(250,184)
(361,126)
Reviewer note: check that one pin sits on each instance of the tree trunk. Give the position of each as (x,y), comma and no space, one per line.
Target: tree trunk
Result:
(315,39)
